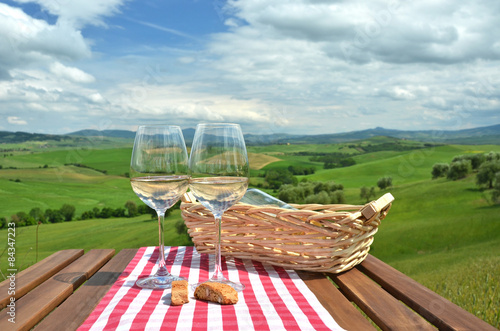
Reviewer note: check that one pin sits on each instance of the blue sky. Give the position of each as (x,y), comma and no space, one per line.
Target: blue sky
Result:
(182,24)
(302,66)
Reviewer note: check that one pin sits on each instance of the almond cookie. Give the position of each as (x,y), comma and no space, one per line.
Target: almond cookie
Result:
(179,292)
(216,292)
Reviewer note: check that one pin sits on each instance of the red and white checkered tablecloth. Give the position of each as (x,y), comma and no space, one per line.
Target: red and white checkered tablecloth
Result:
(274,298)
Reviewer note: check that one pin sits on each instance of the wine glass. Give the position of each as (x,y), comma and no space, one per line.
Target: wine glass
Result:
(159,177)
(218,166)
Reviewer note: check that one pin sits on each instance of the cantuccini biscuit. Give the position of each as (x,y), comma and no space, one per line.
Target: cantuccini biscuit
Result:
(216,292)
(179,292)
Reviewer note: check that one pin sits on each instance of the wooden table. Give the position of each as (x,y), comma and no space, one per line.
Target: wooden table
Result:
(59,292)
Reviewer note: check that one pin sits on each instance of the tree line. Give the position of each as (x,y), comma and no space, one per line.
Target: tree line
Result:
(67,214)
(312,192)
(486,167)
(274,178)
(329,160)
(325,192)
(289,189)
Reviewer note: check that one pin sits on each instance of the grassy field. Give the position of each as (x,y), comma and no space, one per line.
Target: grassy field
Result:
(444,234)
(117,233)
(260,160)
(115,161)
(53,187)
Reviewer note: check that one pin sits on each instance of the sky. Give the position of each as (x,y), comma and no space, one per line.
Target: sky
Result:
(273,66)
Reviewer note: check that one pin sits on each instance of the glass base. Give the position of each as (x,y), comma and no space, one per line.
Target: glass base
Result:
(157,282)
(236,285)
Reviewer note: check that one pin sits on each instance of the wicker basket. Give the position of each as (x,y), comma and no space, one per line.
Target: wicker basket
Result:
(322,238)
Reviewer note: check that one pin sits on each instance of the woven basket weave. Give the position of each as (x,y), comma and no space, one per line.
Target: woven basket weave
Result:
(322,238)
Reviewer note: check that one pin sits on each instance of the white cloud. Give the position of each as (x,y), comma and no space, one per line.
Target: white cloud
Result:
(37,107)
(97,98)
(73,74)
(26,41)
(184,104)
(361,32)
(303,66)
(34,84)
(80,13)
(16,120)
(370,59)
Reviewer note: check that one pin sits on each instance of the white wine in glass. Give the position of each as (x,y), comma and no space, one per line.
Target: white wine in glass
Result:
(159,177)
(219,172)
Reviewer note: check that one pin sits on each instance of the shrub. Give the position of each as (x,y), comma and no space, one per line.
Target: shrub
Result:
(492,156)
(119,212)
(321,198)
(312,192)
(87,215)
(440,170)
(475,159)
(384,182)
(67,211)
(486,173)
(367,193)
(15,219)
(276,178)
(106,212)
(145,209)
(53,216)
(459,169)
(298,170)
(37,214)
(495,195)
(3,222)
(347,162)
(30,221)
(319,187)
(337,197)
(131,208)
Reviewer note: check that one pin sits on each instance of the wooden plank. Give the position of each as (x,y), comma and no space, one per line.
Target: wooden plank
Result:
(384,310)
(38,303)
(85,299)
(442,313)
(36,274)
(341,309)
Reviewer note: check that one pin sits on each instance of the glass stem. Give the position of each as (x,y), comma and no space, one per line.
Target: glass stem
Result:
(218,276)
(162,268)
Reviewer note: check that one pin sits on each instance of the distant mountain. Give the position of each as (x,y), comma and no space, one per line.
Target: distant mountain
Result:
(275,138)
(480,135)
(188,135)
(104,133)
(19,137)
